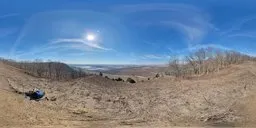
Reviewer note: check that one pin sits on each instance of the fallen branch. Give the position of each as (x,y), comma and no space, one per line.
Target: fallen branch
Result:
(14,89)
(207,101)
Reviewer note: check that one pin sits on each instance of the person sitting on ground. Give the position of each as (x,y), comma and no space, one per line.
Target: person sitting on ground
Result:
(36,94)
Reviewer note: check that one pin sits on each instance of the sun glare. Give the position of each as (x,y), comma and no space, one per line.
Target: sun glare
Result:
(90,37)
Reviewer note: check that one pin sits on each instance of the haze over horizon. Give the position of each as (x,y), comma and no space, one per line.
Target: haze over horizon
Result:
(123,32)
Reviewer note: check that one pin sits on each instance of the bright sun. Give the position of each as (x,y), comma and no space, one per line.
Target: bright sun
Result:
(90,37)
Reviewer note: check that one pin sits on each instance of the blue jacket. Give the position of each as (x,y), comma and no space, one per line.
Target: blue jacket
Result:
(39,94)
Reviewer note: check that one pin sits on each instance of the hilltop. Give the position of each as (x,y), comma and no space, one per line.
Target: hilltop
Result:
(226,98)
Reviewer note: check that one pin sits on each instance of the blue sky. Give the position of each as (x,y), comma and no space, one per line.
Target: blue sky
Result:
(124,32)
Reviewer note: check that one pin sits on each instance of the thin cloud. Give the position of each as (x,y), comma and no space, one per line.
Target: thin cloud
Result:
(80,46)
(7,31)
(194,29)
(156,57)
(193,33)
(153,43)
(55,48)
(21,35)
(152,7)
(237,31)
(8,15)
(238,25)
(62,23)
(87,43)
(249,35)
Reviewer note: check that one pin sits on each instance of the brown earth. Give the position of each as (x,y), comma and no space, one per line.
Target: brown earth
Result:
(222,99)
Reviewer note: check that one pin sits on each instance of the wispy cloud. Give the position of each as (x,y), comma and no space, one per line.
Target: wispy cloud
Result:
(194,34)
(174,16)
(63,26)
(237,30)
(155,6)
(92,44)
(55,49)
(155,57)
(236,26)
(155,44)
(70,47)
(7,31)
(248,35)
(8,15)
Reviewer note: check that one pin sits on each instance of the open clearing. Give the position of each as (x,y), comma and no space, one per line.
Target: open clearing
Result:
(226,98)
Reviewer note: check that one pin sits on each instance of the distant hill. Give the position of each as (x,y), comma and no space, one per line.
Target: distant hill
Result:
(139,70)
(51,70)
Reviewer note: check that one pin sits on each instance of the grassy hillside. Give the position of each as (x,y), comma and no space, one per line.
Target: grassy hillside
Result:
(51,70)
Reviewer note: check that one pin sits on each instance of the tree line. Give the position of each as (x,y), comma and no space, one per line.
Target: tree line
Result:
(51,70)
(204,61)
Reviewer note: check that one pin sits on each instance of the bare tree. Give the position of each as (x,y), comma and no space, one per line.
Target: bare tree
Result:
(207,60)
(191,60)
(175,66)
(52,70)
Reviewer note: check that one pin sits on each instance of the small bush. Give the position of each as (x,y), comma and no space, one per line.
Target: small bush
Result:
(101,74)
(119,79)
(130,80)
(167,73)
(106,77)
(157,75)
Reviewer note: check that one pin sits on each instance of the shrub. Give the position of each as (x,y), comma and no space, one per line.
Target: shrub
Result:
(157,75)
(167,73)
(119,79)
(130,80)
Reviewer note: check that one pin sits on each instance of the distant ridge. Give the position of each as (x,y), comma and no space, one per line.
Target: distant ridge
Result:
(50,70)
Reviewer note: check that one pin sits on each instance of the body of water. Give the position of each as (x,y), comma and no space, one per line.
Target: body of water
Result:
(103,67)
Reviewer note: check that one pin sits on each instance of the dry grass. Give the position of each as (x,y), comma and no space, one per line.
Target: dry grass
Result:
(222,99)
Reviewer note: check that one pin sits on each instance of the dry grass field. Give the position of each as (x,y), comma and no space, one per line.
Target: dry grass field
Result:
(224,99)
